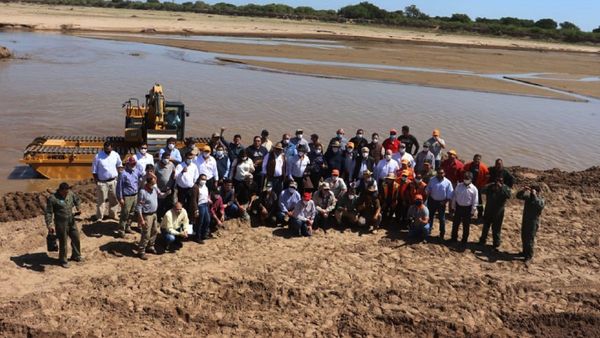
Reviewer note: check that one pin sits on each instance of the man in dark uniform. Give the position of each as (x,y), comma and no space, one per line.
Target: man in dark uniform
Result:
(496,194)
(532,210)
(60,208)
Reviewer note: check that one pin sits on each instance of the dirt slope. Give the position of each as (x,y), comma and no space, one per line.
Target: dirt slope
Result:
(254,281)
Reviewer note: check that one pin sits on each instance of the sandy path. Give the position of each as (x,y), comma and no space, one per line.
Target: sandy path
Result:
(255,281)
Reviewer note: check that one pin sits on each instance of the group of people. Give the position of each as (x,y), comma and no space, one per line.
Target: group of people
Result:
(304,184)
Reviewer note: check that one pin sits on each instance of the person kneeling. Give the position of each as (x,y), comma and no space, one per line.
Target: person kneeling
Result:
(418,215)
(303,216)
(174,226)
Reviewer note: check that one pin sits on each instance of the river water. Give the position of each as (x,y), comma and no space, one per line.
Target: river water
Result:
(66,85)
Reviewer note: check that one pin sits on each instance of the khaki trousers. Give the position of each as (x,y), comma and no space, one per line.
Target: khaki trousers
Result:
(149,232)
(126,212)
(106,191)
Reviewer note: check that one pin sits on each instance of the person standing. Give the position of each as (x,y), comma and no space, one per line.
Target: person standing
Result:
(143,158)
(389,196)
(240,168)
(317,165)
(385,167)
(437,144)
(299,140)
(424,156)
(481,176)
(339,137)
(409,140)
(498,171)
(453,167)
(349,160)
(146,208)
(207,165)
(296,166)
(403,155)
(186,175)
(359,140)
(165,180)
(234,148)
(223,163)
(202,212)
(268,144)
(303,216)
(256,152)
(274,167)
(104,170)
(334,158)
(496,195)
(175,156)
(392,143)
(127,190)
(440,190)
(363,163)
(533,206)
(464,203)
(59,211)
(375,148)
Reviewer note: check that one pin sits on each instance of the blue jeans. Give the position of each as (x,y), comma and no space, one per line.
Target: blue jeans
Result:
(169,238)
(419,230)
(232,211)
(438,207)
(299,227)
(320,221)
(203,221)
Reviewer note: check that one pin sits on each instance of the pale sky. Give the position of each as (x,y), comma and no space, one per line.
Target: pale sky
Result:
(584,13)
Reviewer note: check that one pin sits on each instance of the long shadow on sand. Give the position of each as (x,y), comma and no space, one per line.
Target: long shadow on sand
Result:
(100,228)
(35,261)
(120,248)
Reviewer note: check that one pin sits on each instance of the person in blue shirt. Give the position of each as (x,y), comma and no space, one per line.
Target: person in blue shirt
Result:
(175,154)
(440,192)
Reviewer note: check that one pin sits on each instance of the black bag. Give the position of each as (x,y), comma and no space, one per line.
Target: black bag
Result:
(52,242)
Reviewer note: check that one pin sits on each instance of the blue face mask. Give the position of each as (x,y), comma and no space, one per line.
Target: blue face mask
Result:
(418,203)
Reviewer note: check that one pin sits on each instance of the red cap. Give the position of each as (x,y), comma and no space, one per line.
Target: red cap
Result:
(335,172)
(307,196)
(393,131)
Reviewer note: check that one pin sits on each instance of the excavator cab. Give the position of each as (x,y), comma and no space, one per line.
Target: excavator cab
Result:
(155,122)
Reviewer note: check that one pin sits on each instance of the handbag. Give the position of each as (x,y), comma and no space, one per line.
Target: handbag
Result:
(52,242)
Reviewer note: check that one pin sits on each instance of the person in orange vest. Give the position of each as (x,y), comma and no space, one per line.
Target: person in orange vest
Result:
(403,197)
(453,168)
(417,187)
(389,196)
(405,166)
(481,176)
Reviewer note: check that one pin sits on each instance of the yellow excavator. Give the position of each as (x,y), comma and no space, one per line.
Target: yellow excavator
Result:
(71,157)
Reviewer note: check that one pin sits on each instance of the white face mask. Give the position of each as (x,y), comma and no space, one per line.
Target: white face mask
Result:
(202,183)
(171,146)
(143,151)
(300,153)
(467,182)
(402,151)
(317,151)
(375,140)
(418,180)
(165,161)
(359,136)
(300,136)
(365,155)
(219,153)
(206,155)
(188,161)
(388,157)
(334,178)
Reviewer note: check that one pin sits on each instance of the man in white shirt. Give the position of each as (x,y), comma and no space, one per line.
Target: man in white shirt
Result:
(386,166)
(464,203)
(296,167)
(274,167)
(402,154)
(186,175)
(202,213)
(104,169)
(143,158)
(207,165)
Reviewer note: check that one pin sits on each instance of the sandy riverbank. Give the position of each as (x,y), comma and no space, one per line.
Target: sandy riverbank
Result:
(365,44)
(257,282)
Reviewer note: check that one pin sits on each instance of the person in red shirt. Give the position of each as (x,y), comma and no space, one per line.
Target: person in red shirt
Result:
(453,168)
(392,143)
(481,176)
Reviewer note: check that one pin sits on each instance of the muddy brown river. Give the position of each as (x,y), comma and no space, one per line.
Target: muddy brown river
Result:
(65,85)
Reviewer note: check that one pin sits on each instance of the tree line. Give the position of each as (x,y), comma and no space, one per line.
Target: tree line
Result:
(365,13)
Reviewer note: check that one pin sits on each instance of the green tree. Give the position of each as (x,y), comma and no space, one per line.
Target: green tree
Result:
(460,18)
(153,1)
(546,24)
(364,10)
(597,30)
(569,25)
(415,13)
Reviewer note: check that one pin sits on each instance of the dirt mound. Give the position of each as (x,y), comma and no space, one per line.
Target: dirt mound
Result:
(24,205)
(259,281)
(5,53)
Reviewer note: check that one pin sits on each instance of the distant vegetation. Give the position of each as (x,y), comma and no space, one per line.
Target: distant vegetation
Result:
(366,13)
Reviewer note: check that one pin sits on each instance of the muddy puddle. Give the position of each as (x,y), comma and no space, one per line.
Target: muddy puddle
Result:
(65,85)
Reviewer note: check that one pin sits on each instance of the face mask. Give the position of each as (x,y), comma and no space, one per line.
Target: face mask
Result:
(317,151)
(206,155)
(244,158)
(350,150)
(467,182)
(291,189)
(339,135)
(388,157)
(365,155)
(402,151)
(285,142)
(188,161)
(300,136)
(171,146)
(418,180)
(219,153)
(375,140)
(418,203)
(269,189)
(165,161)
(393,137)
(404,179)
(143,151)
(202,183)
(425,149)
(300,153)
(351,196)
(334,178)
(359,136)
